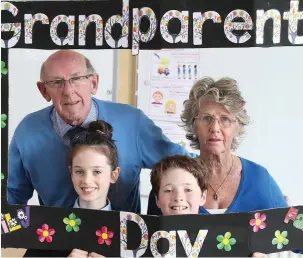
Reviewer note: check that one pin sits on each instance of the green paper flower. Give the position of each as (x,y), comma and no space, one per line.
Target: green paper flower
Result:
(3,69)
(225,242)
(298,223)
(72,223)
(280,240)
(3,119)
(2,176)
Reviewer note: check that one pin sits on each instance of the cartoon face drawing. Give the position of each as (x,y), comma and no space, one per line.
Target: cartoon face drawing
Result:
(157,97)
(170,107)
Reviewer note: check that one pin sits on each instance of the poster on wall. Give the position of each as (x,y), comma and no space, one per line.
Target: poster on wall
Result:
(173,73)
(166,103)
(175,67)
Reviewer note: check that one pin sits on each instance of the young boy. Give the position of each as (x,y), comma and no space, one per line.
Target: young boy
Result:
(180,184)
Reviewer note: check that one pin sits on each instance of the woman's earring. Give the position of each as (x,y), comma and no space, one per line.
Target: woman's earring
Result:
(194,137)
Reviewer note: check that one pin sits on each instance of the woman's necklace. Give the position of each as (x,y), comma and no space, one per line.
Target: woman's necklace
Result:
(216,196)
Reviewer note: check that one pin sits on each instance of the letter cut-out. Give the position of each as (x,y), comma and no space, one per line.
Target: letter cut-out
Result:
(230,26)
(69,38)
(170,236)
(192,250)
(84,22)
(293,16)
(29,22)
(137,34)
(14,27)
(124,218)
(124,22)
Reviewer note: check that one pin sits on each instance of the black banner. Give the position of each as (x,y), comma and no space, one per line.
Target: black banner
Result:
(155,24)
(125,234)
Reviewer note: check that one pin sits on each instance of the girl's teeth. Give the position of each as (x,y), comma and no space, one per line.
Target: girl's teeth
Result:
(88,189)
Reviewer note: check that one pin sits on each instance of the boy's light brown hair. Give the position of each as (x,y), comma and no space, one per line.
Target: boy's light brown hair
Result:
(194,166)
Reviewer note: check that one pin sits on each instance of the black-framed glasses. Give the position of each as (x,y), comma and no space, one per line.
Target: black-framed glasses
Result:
(224,121)
(76,81)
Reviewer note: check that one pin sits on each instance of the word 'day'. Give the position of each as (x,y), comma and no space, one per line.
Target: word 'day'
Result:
(190,250)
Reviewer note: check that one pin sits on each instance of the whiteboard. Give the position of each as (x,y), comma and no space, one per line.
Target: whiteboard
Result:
(271,80)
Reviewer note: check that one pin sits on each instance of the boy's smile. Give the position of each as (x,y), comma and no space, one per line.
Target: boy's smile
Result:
(179,193)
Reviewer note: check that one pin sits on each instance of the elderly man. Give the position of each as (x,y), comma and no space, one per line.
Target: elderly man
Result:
(38,151)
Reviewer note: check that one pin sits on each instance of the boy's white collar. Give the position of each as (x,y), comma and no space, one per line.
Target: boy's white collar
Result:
(108,206)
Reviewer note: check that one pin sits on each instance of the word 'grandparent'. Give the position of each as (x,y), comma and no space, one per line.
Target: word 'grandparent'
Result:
(198,19)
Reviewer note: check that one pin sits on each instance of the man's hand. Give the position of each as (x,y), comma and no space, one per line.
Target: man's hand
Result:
(78,253)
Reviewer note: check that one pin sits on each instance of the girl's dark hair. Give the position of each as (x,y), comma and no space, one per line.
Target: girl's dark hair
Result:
(99,137)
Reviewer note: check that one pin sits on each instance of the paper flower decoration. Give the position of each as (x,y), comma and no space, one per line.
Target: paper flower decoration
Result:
(3,119)
(298,223)
(104,236)
(45,233)
(72,223)
(225,241)
(3,69)
(280,240)
(258,222)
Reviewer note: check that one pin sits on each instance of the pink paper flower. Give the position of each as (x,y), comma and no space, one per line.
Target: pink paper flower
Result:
(104,236)
(45,233)
(258,222)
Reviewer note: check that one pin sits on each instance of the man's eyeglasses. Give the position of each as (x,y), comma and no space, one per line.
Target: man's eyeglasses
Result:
(224,121)
(76,81)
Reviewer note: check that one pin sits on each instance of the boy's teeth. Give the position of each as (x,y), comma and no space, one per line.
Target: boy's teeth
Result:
(179,208)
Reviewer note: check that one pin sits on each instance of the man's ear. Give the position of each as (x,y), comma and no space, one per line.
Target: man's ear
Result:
(95,83)
(115,175)
(43,91)
(203,198)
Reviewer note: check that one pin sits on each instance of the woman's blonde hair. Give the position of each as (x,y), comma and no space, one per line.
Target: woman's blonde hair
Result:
(224,91)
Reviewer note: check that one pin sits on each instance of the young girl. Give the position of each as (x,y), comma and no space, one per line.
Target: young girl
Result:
(93,164)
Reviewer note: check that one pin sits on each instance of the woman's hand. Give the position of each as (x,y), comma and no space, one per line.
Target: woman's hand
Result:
(259,255)
(78,253)
(95,255)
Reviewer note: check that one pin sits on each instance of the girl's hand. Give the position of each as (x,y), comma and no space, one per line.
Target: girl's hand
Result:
(78,253)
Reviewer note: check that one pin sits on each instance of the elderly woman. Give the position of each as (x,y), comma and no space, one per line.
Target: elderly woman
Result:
(215,118)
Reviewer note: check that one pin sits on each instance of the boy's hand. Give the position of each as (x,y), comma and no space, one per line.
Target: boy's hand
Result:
(95,255)
(259,255)
(78,253)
